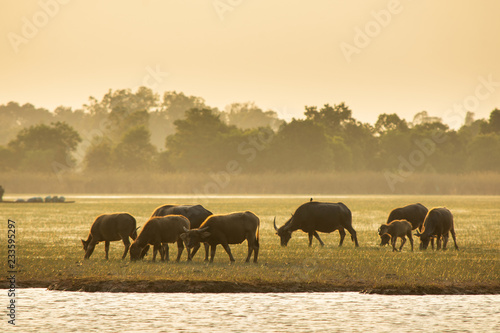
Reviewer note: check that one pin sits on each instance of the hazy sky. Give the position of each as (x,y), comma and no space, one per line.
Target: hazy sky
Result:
(377,56)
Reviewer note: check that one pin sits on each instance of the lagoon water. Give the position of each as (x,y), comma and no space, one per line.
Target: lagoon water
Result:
(40,310)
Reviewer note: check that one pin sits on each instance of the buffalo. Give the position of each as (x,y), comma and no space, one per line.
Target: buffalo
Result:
(314,216)
(393,230)
(227,229)
(159,231)
(415,214)
(438,223)
(110,227)
(196,214)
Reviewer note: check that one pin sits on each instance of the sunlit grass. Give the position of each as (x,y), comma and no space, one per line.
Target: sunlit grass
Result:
(49,247)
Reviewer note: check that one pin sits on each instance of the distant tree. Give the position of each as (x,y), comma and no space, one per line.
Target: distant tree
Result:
(332,118)
(40,147)
(134,152)
(303,145)
(202,142)
(176,104)
(98,155)
(484,153)
(248,115)
(390,122)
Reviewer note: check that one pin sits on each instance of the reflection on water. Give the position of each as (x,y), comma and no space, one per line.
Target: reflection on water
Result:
(40,310)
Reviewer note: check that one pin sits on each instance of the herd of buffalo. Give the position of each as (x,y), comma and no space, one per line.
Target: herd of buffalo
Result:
(192,225)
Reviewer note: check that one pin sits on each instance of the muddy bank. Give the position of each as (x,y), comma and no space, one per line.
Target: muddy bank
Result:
(171,286)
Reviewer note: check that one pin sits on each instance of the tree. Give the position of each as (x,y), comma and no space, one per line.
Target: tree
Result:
(41,147)
(484,153)
(134,152)
(202,142)
(98,155)
(176,104)
(302,145)
(390,122)
(248,115)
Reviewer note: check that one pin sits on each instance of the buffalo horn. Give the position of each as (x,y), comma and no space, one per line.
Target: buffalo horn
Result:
(185,229)
(275,227)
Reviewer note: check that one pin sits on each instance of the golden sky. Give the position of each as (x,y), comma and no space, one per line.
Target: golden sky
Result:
(392,56)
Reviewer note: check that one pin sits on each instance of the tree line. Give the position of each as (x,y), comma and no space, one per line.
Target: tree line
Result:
(138,131)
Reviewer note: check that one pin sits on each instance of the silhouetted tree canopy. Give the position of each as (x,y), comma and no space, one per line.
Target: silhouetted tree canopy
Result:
(136,131)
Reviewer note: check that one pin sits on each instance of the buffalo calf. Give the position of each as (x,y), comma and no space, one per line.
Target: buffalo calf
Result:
(393,230)
(159,231)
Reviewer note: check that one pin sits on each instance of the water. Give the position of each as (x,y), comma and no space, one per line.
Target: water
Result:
(40,310)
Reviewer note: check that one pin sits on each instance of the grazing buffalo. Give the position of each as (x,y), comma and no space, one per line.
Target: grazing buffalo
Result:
(226,229)
(110,227)
(196,215)
(393,230)
(415,214)
(159,231)
(314,216)
(438,223)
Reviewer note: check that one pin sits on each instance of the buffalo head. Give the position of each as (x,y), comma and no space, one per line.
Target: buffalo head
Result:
(384,239)
(424,240)
(193,238)
(284,233)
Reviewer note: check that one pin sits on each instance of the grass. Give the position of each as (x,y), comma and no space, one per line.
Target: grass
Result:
(49,249)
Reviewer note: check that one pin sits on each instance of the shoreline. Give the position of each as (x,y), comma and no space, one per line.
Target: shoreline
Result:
(187,286)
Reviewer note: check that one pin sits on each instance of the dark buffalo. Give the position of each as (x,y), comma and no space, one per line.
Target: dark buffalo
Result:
(438,223)
(314,216)
(159,231)
(393,230)
(108,228)
(415,214)
(196,215)
(226,229)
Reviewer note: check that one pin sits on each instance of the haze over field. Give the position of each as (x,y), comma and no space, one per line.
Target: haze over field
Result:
(377,56)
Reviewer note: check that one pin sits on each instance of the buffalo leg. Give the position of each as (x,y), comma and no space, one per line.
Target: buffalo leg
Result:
(126,242)
(90,249)
(342,236)
(411,239)
(250,249)
(445,241)
(403,241)
(156,248)
(106,248)
(228,250)
(206,250)
(438,243)
(393,243)
(310,239)
(165,254)
(315,234)
(180,248)
(454,238)
(256,247)
(212,253)
(354,237)
(193,252)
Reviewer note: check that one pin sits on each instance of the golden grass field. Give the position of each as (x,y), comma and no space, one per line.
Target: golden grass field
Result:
(49,251)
